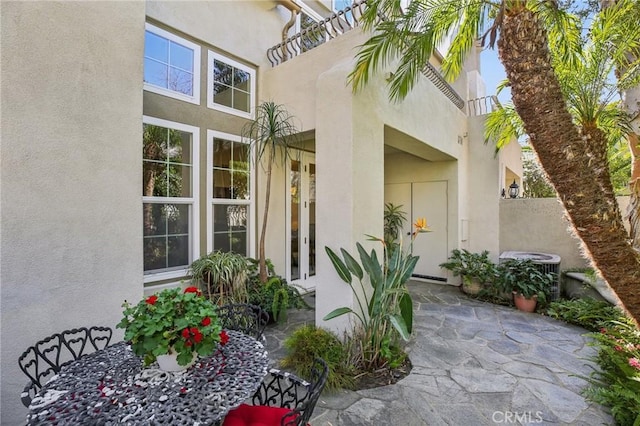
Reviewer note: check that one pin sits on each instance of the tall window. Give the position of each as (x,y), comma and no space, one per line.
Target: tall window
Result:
(229,193)
(171,65)
(231,86)
(169,196)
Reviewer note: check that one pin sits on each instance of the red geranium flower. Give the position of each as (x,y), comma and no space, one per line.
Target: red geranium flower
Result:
(152,299)
(206,321)
(185,333)
(224,337)
(195,290)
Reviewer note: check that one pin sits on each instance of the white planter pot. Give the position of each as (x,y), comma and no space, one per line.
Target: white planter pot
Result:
(169,362)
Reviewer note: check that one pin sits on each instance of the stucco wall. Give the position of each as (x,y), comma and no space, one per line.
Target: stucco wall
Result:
(538,224)
(70,174)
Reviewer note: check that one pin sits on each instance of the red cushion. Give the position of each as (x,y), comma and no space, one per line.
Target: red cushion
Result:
(255,415)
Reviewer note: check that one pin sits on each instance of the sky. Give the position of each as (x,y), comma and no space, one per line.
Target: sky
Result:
(492,73)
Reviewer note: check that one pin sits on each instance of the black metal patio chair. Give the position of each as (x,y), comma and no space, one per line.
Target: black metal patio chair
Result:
(283,399)
(244,317)
(45,359)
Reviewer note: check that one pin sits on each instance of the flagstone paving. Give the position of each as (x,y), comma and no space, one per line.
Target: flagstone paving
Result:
(474,363)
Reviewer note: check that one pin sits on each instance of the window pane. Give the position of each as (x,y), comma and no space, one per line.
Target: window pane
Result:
(179,181)
(181,81)
(156,73)
(222,73)
(241,79)
(166,235)
(156,47)
(230,227)
(154,253)
(178,251)
(240,185)
(154,142)
(241,100)
(180,147)
(221,183)
(177,218)
(221,153)
(181,57)
(222,95)
(155,222)
(241,156)
(154,182)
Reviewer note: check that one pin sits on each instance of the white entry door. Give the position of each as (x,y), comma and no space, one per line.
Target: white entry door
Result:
(427,200)
(301,224)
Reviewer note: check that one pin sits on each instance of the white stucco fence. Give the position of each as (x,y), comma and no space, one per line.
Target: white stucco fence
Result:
(539,225)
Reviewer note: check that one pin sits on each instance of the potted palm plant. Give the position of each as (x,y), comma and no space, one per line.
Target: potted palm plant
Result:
(475,269)
(526,281)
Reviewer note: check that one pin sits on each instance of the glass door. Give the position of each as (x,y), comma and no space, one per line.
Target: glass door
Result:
(301,268)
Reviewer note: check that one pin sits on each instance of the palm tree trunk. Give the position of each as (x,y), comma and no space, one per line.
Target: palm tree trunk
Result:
(633,211)
(267,196)
(566,157)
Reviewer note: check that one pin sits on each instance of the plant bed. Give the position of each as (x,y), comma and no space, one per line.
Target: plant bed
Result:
(383,376)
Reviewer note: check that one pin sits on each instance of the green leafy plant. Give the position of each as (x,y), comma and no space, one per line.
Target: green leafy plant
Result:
(275,296)
(524,277)
(308,342)
(617,383)
(394,218)
(588,313)
(385,307)
(471,266)
(223,276)
(172,320)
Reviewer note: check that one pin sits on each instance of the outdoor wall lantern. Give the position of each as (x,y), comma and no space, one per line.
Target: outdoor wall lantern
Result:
(513,189)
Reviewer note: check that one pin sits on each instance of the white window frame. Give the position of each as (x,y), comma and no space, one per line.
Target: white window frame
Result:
(195,98)
(194,225)
(211,134)
(210,81)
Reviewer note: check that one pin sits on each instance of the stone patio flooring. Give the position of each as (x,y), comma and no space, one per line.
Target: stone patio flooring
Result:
(474,363)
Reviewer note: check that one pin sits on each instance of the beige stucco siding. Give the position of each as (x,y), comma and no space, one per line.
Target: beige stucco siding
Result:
(70,175)
(230,26)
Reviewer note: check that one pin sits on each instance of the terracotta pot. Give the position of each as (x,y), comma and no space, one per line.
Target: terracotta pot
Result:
(524,304)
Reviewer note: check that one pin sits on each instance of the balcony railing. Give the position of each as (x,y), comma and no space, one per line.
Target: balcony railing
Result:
(335,25)
(482,106)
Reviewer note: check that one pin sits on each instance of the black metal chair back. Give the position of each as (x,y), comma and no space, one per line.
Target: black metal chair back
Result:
(45,359)
(286,390)
(244,317)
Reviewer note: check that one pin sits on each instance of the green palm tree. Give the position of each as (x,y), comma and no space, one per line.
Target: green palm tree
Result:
(272,134)
(525,32)
(631,104)
(591,98)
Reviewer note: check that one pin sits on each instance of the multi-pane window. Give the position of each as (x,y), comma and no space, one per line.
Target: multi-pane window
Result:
(229,174)
(171,65)
(169,194)
(231,86)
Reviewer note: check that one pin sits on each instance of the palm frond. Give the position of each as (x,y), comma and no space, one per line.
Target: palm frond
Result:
(503,125)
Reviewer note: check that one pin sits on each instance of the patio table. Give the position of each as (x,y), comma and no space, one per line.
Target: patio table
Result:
(112,387)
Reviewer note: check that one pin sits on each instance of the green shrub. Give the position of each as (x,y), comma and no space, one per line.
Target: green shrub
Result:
(617,384)
(308,342)
(588,313)
(276,295)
